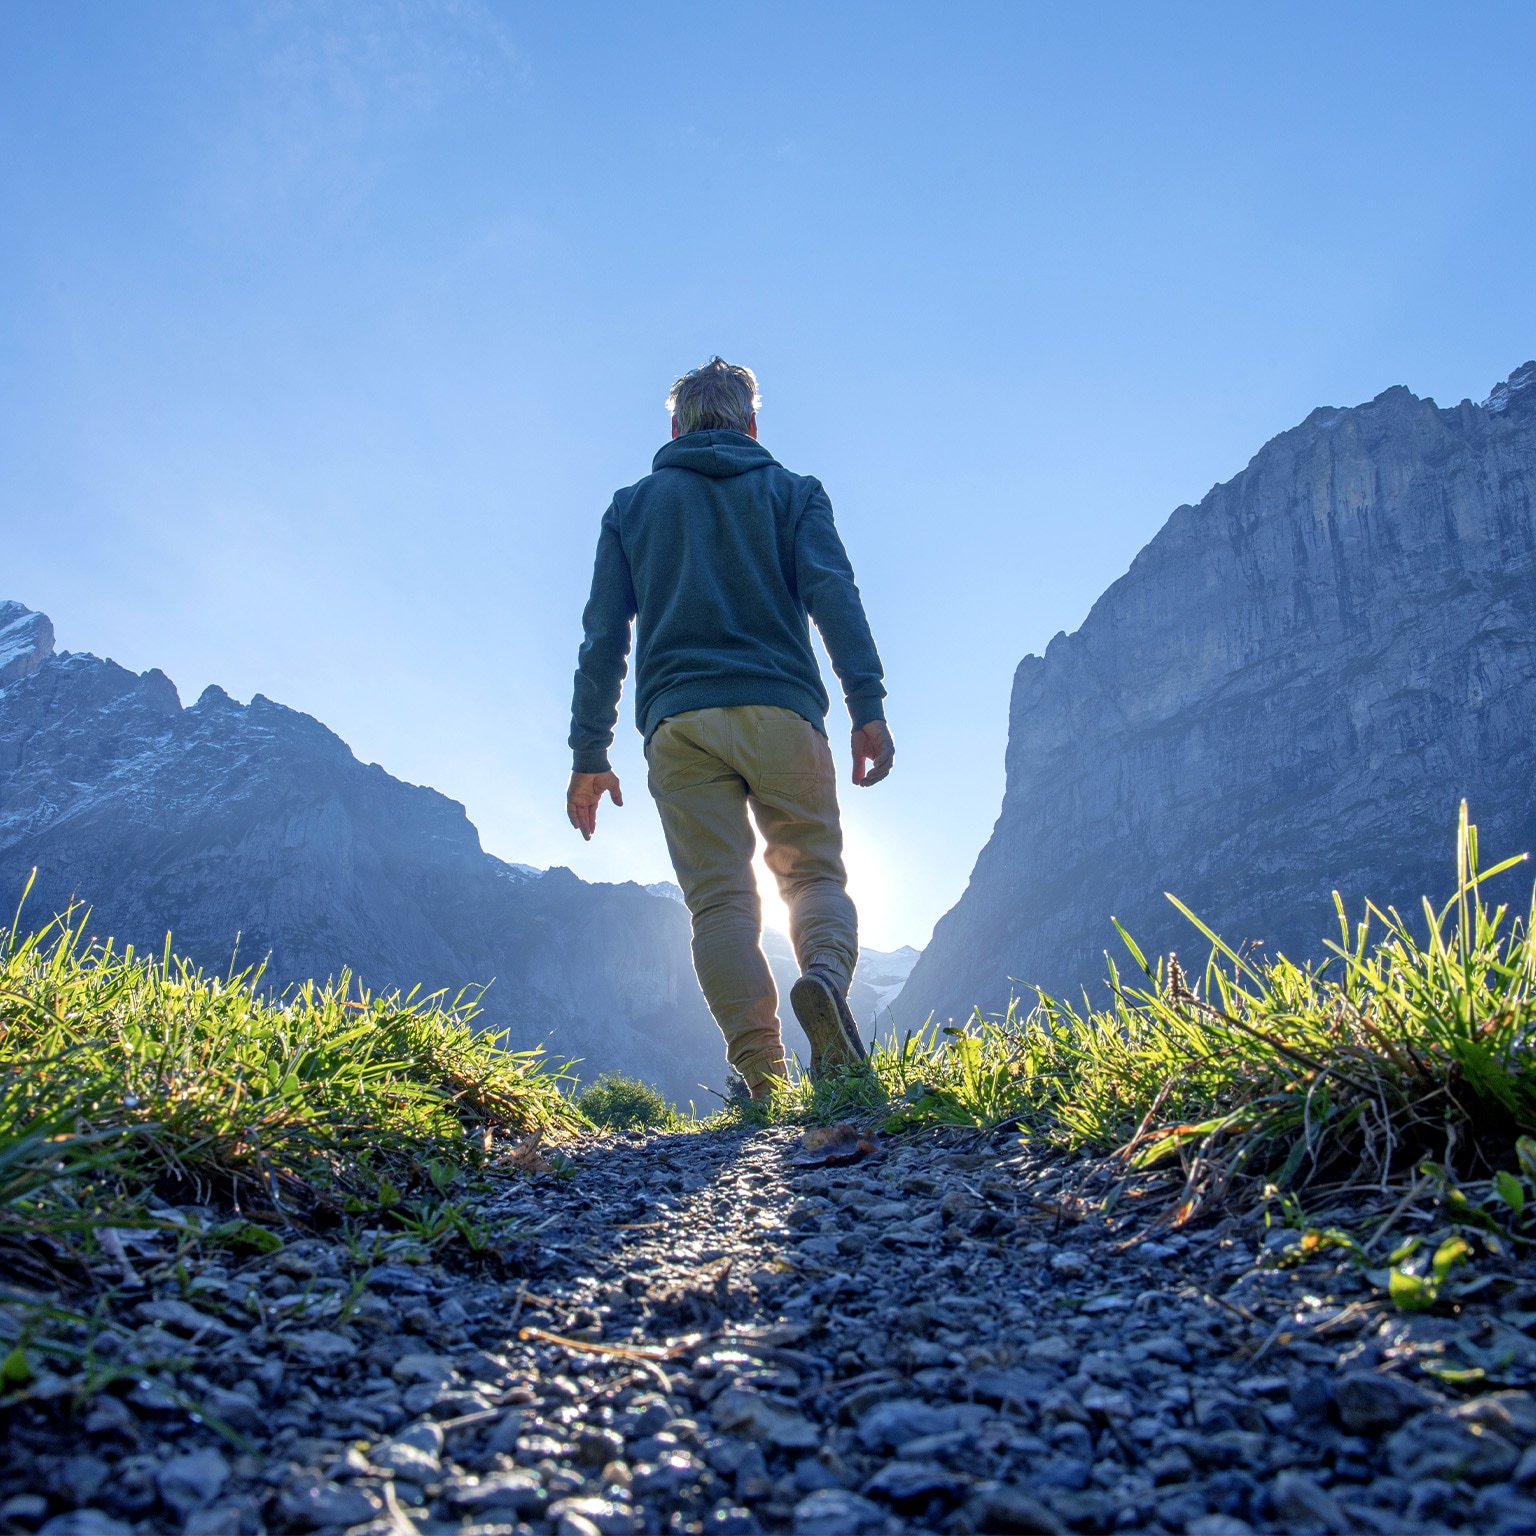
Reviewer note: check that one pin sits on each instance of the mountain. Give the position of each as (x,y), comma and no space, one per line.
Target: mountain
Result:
(254,824)
(1288,693)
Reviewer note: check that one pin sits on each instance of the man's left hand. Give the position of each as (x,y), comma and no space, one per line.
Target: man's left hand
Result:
(582,796)
(873,753)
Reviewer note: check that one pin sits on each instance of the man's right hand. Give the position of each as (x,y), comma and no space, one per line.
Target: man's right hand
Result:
(873,753)
(582,796)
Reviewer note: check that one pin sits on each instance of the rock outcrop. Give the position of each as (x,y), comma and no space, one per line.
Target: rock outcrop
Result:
(253,826)
(1287,694)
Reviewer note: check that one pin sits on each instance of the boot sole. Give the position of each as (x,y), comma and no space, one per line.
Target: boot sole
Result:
(820,1018)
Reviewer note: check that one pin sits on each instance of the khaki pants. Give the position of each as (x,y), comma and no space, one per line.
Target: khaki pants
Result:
(706,767)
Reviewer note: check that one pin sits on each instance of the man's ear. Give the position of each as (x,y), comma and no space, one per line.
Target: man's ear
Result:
(674,426)
(752,427)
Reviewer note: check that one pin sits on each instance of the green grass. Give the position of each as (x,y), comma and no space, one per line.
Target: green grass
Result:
(617,1102)
(1410,1042)
(122,1074)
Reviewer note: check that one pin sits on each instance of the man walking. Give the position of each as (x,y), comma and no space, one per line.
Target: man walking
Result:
(723,556)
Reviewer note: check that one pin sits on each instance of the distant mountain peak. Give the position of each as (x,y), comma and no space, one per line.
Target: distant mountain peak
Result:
(1521,383)
(26,642)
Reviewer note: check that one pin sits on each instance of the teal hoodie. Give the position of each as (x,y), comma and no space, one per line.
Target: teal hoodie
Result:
(723,556)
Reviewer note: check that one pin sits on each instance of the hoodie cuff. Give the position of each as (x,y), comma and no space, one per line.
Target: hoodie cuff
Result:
(862,710)
(590,761)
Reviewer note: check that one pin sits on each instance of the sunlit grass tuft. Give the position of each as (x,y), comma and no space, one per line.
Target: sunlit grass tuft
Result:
(121,1074)
(1404,1045)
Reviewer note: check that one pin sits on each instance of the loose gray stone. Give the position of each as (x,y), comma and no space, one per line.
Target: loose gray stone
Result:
(232,1408)
(1169,1350)
(414,1453)
(1437,1445)
(193,1481)
(1295,1497)
(183,1317)
(1505,1510)
(836,1512)
(597,1447)
(85,1522)
(523,1492)
(1370,1403)
(889,1425)
(1006,1388)
(741,1412)
(312,1501)
(228,1519)
(79,1478)
(1181,1507)
(904,1483)
(1011,1510)
(433,1370)
(504,1434)
(319,1346)
(1525,1472)
(25,1509)
(1510,1414)
(1062,1472)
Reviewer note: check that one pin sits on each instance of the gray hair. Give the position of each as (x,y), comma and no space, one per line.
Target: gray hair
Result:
(718,397)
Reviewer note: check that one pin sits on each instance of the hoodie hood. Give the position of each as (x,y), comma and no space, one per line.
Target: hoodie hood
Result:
(717,454)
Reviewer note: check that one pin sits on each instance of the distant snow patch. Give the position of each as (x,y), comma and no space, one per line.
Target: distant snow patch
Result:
(517,872)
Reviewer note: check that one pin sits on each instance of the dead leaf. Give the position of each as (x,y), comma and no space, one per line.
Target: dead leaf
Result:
(525,1156)
(833,1146)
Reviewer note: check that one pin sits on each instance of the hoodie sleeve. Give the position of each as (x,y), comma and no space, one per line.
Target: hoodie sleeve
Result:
(827,588)
(601,663)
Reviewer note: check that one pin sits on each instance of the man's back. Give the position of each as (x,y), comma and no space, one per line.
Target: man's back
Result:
(723,555)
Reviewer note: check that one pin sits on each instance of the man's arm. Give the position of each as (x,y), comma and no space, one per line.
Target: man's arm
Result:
(600,668)
(831,596)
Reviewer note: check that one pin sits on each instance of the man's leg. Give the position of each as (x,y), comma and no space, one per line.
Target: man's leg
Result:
(703,806)
(794,800)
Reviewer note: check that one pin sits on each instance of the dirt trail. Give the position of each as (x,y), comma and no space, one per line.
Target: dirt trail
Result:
(693,1334)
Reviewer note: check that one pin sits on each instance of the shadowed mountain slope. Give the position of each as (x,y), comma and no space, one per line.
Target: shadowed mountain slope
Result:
(254,823)
(1287,694)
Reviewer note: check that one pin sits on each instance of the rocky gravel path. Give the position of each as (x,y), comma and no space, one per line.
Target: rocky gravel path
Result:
(693,1334)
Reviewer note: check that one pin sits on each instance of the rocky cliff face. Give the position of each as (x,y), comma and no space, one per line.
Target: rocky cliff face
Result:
(1288,693)
(254,824)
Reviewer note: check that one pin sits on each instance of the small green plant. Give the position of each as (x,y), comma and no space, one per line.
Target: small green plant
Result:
(1416,1288)
(434,1224)
(617,1102)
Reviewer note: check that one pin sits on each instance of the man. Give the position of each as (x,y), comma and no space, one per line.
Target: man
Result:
(722,555)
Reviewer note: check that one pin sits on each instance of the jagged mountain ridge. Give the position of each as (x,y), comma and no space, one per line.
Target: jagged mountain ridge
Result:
(1288,693)
(223,821)
(254,828)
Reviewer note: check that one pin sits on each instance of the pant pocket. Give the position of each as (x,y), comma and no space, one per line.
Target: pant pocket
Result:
(788,747)
(799,787)
(677,763)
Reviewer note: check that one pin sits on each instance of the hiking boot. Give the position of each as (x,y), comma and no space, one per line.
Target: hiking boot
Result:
(829,1025)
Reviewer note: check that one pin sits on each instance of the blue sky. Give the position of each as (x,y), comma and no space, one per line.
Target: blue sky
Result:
(327,330)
